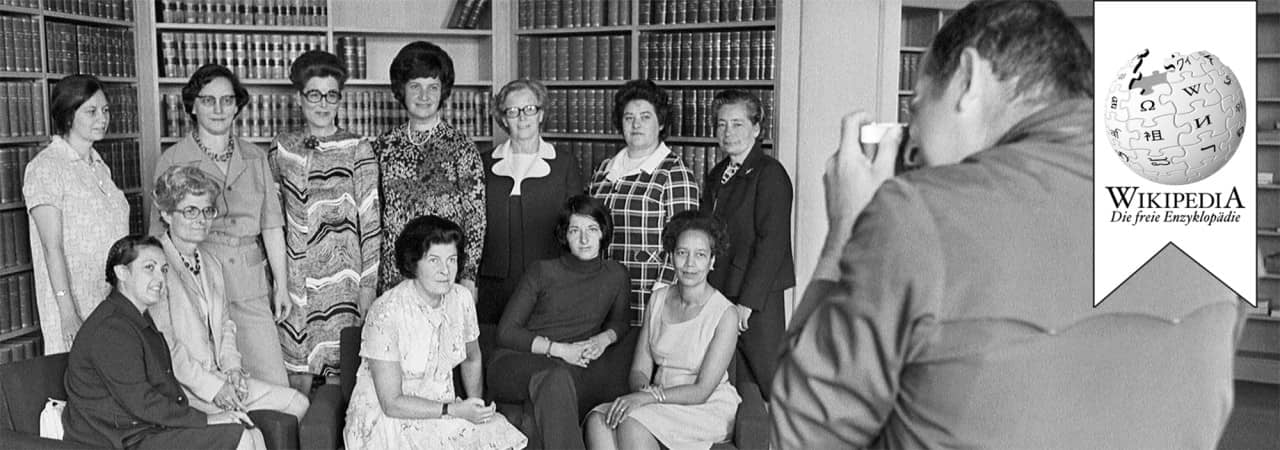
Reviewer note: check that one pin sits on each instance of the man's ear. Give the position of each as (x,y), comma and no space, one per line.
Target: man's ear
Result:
(972,80)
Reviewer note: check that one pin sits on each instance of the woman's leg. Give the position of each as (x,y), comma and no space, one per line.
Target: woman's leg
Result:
(632,435)
(263,395)
(599,436)
(252,440)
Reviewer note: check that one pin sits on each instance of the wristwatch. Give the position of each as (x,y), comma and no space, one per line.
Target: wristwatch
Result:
(444,409)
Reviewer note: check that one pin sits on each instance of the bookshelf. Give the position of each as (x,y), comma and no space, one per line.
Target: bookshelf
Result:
(1258,357)
(692,48)
(43,42)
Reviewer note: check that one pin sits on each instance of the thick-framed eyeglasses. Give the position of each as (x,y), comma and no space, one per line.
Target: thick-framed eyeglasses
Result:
(314,96)
(208,101)
(193,213)
(517,111)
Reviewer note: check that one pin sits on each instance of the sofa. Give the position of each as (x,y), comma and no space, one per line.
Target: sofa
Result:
(26,385)
(322,427)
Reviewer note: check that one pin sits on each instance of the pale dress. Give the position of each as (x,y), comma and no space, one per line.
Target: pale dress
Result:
(428,343)
(678,349)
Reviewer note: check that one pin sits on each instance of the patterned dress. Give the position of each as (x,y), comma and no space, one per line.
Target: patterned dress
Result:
(437,172)
(332,232)
(641,202)
(427,342)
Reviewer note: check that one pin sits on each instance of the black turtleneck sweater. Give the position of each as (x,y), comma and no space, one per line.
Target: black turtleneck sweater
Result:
(566,300)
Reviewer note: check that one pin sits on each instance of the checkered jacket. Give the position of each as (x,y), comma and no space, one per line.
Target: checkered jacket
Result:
(641,204)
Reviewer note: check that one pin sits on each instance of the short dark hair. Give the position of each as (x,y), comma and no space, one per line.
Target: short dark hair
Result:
(648,91)
(1031,40)
(421,59)
(68,94)
(539,91)
(420,234)
(205,75)
(755,111)
(694,220)
(317,64)
(124,251)
(585,205)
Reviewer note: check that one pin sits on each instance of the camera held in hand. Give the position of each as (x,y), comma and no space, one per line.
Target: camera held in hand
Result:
(907,157)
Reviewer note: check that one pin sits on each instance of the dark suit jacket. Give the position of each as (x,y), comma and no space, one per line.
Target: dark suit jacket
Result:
(120,383)
(529,220)
(755,206)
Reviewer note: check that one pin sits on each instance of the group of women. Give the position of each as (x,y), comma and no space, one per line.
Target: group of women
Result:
(626,292)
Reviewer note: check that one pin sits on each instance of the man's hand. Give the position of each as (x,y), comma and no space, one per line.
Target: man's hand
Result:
(744,313)
(852,178)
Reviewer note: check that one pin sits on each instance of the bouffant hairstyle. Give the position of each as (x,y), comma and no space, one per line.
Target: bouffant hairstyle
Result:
(67,96)
(177,182)
(585,205)
(693,220)
(205,75)
(421,59)
(317,64)
(125,251)
(539,92)
(419,235)
(648,91)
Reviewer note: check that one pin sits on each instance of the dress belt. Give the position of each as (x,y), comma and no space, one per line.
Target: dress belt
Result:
(231,240)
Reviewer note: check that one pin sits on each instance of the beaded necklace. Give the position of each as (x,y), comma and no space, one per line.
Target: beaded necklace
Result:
(224,157)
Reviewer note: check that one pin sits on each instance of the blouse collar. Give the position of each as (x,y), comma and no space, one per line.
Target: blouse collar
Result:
(504,166)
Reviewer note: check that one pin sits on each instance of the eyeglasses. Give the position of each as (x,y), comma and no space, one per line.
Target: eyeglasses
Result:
(193,213)
(208,101)
(516,111)
(314,96)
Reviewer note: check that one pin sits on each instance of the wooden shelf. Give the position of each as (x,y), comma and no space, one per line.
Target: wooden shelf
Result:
(132,191)
(121,136)
(584,136)
(709,26)
(907,49)
(385,32)
(716,83)
(583,83)
(160,26)
(86,19)
(25,75)
(615,29)
(1268,233)
(1269,277)
(1269,100)
(1269,56)
(20,10)
(24,139)
(59,76)
(1269,187)
(10,206)
(385,83)
(1269,143)
(906,92)
(244,81)
(16,269)
(19,332)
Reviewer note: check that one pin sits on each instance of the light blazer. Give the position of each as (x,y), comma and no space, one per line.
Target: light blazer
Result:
(199,357)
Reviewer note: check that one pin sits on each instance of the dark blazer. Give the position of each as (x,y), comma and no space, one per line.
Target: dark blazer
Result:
(120,382)
(755,206)
(530,219)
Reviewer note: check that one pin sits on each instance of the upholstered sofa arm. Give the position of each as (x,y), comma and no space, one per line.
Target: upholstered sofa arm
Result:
(321,427)
(752,428)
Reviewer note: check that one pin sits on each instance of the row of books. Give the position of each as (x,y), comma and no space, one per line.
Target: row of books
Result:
(13,164)
(466,14)
(21,349)
(904,108)
(122,156)
(538,14)
(19,44)
(721,55)
(663,12)
(365,111)
(313,13)
(123,102)
(22,108)
(700,159)
(105,9)
(101,51)
(21,3)
(590,111)
(249,55)
(137,222)
(353,51)
(919,25)
(908,64)
(15,245)
(17,302)
(574,58)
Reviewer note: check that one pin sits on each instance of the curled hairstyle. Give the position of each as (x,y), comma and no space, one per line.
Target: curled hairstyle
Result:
(317,64)
(539,92)
(421,59)
(67,96)
(205,75)
(419,235)
(585,205)
(1031,41)
(755,112)
(125,251)
(648,91)
(177,182)
(693,220)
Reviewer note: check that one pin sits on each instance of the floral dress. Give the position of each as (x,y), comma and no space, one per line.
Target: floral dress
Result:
(436,172)
(428,343)
(329,187)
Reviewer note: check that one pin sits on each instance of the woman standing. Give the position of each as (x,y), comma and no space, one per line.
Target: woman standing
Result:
(751,193)
(76,210)
(428,167)
(329,181)
(250,219)
(527,182)
(644,185)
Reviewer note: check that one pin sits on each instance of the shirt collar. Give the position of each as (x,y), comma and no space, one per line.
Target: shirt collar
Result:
(68,153)
(650,164)
(128,310)
(545,150)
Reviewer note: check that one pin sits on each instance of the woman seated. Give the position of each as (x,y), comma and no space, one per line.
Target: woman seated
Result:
(194,320)
(414,335)
(690,334)
(558,331)
(121,392)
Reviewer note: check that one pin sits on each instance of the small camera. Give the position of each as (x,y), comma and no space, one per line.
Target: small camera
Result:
(907,158)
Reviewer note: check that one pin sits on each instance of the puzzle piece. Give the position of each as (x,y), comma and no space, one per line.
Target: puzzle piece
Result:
(1162,132)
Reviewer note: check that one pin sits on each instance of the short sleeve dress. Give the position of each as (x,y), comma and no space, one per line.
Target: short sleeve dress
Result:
(677,349)
(428,343)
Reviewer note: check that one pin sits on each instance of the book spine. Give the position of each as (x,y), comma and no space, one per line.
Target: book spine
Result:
(590,58)
(618,62)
